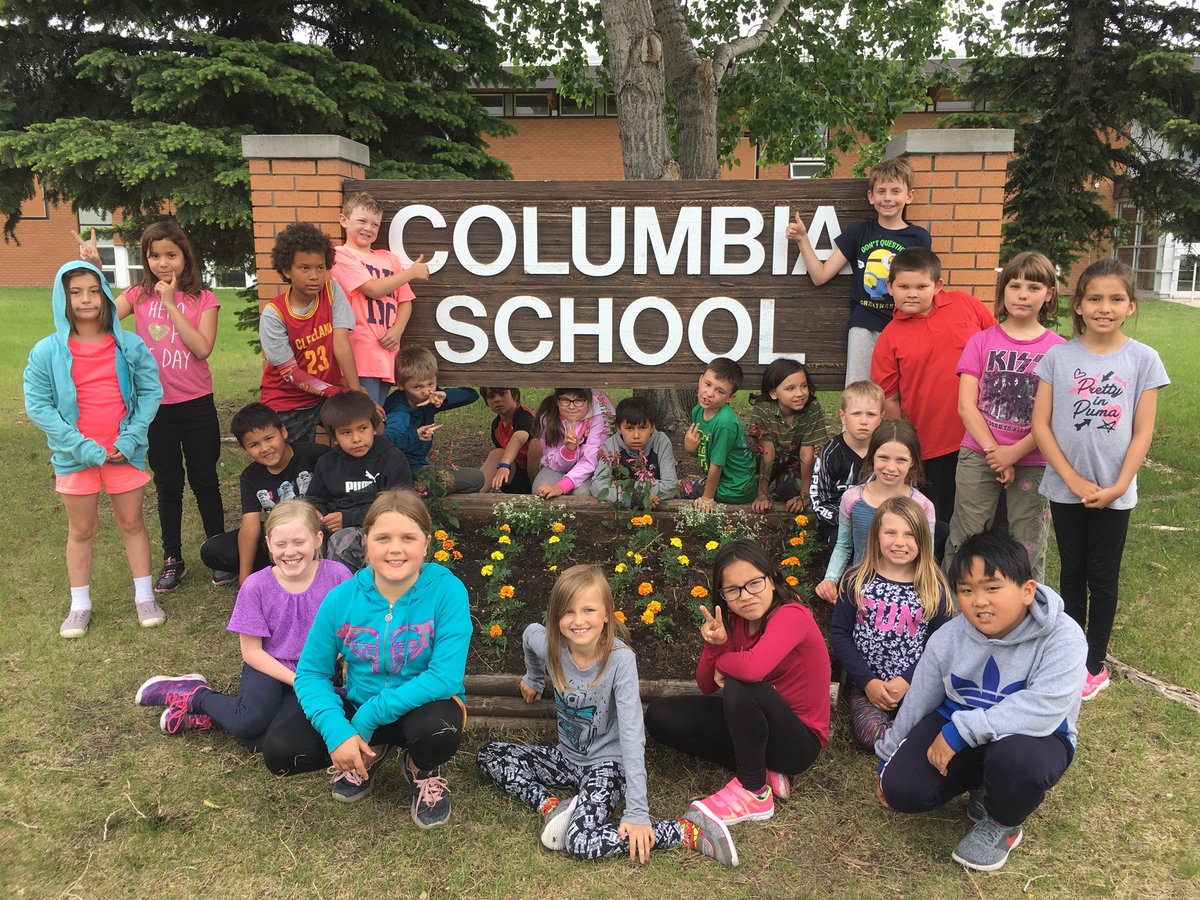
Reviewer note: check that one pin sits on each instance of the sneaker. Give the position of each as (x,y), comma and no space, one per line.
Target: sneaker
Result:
(178,717)
(1095,683)
(976,810)
(431,795)
(780,784)
(554,830)
(709,836)
(987,845)
(75,625)
(221,578)
(150,614)
(172,573)
(733,803)
(163,690)
(350,786)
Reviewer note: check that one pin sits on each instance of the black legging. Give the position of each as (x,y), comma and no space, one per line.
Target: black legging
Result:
(747,728)
(431,733)
(187,431)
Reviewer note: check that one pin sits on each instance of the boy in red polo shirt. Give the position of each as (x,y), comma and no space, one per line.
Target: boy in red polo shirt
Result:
(915,363)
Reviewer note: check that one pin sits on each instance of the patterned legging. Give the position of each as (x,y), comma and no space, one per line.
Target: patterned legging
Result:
(526,771)
(868,721)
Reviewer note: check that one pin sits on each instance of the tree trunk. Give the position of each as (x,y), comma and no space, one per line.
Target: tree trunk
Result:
(694,90)
(672,410)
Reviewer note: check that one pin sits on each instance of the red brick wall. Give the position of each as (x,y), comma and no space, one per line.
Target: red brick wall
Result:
(45,244)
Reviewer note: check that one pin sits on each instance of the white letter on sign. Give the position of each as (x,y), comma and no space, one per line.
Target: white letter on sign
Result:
(766,335)
(647,228)
(529,231)
(447,322)
(602,329)
(396,233)
(616,253)
(741,318)
(629,341)
(503,340)
(824,219)
(508,240)
(719,240)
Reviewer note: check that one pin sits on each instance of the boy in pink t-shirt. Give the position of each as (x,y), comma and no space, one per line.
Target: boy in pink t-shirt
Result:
(377,284)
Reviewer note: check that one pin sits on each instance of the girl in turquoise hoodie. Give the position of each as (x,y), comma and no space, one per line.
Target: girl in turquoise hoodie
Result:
(403,627)
(93,388)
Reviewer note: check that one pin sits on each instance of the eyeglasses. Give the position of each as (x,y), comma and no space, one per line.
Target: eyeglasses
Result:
(572,401)
(734,591)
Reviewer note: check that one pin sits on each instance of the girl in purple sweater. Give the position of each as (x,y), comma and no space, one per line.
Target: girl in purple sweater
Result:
(571,425)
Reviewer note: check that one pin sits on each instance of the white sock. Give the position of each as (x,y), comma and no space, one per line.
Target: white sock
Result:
(143,589)
(81,598)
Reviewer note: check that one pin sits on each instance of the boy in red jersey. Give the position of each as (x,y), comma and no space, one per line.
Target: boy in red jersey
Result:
(305,332)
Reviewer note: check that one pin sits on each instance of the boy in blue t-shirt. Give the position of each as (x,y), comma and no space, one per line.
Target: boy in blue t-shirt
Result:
(871,244)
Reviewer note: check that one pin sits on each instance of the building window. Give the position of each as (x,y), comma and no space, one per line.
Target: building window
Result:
(806,166)
(1137,245)
(610,105)
(493,104)
(531,105)
(121,265)
(1188,281)
(570,107)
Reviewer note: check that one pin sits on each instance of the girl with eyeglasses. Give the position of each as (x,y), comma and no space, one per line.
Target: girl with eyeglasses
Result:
(571,425)
(764,673)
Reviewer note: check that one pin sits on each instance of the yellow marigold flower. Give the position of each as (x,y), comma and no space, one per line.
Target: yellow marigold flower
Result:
(801,520)
(619,616)
(552,568)
(619,568)
(637,559)
(497,555)
(645,588)
(682,559)
(505,528)
(504,539)
(486,571)
(790,561)
(553,539)
(648,617)
(495,631)
(796,540)
(457,554)
(699,592)
(711,545)
(440,535)
(507,591)
(441,556)
(677,543)
(629,553)
(792,580)
(558,527)
(654,606)
(447,544)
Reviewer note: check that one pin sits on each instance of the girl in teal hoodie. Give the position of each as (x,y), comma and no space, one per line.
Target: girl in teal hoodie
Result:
(93,388)
(403,626)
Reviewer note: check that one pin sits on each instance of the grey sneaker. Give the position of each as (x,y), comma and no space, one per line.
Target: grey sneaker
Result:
(708,835)
(350,786)
(976,810)
(221,578)
(150,614)
(987,845)
(430,795)
(75,625)
(554,831)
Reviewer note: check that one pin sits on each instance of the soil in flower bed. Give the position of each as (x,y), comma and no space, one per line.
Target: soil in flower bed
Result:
(656,592)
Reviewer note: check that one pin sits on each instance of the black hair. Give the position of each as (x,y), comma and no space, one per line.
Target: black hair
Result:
(253,417)
(755,554)
(726,369)
(300,237)
(487,392)
(342,410)
(547,423)
(916,259)
(998,551)
(633,411)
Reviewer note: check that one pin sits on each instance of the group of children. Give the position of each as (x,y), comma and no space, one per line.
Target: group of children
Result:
(984,702)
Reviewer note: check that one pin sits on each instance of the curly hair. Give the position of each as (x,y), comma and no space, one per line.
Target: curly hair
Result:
(299,237)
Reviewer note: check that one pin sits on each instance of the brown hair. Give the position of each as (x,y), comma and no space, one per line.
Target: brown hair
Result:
(106,310)
(726,369)
(916,259)
(1030,266)
(363,200)
(417,363)
(928,580)
(399,500)
(566,587)
(547,424)
(902,432)
(168,230)
(891,169)
(1101,268)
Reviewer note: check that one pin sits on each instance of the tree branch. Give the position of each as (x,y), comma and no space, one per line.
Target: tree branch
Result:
(725,54)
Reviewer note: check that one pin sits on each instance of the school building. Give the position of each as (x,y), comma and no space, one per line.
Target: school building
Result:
(559,139)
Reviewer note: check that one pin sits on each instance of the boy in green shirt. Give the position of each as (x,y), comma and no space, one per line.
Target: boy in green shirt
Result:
(716,436)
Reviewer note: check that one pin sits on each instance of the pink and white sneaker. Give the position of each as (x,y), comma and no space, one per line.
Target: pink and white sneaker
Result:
(1095,683)
(780,784)
(733,803)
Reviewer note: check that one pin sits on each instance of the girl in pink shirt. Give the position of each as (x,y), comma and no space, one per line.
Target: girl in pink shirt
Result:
(572,424)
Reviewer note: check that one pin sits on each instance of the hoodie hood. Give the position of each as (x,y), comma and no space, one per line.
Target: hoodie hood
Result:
(58,296)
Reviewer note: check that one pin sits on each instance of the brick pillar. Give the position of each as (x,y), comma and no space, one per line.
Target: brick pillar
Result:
(959,196)
(296,178)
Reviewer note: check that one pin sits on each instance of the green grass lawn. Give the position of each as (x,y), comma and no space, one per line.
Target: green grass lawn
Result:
(95,802)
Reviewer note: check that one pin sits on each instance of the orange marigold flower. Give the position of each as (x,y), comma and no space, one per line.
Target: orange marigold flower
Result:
(645,588)
(441,556)
(654,606)
(699,592)
(558,527)
(505,528)
(619,616)
(792,580)
(648,617)
(440,535)
(458,554)
(801,520)
(796,540)
(495,631)
(790,561)
(507,591)
(447,545)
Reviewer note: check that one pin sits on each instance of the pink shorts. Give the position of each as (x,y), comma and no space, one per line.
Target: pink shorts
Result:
(116,478)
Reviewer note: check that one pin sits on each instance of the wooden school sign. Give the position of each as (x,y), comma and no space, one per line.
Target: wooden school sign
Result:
(632,283)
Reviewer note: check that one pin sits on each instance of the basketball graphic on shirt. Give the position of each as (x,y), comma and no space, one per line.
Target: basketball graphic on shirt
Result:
(875,272)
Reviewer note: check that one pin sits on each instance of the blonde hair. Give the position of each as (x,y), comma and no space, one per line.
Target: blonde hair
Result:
(288,511)
(398,500)
(415,363)
(361,200)
(1031,266)
(865,391)
(891,169)
(566,589)
(928,581)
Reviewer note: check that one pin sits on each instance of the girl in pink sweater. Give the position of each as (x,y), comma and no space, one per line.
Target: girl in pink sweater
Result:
(571,425)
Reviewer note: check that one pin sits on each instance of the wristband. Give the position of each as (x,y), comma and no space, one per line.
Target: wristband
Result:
(504,465)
